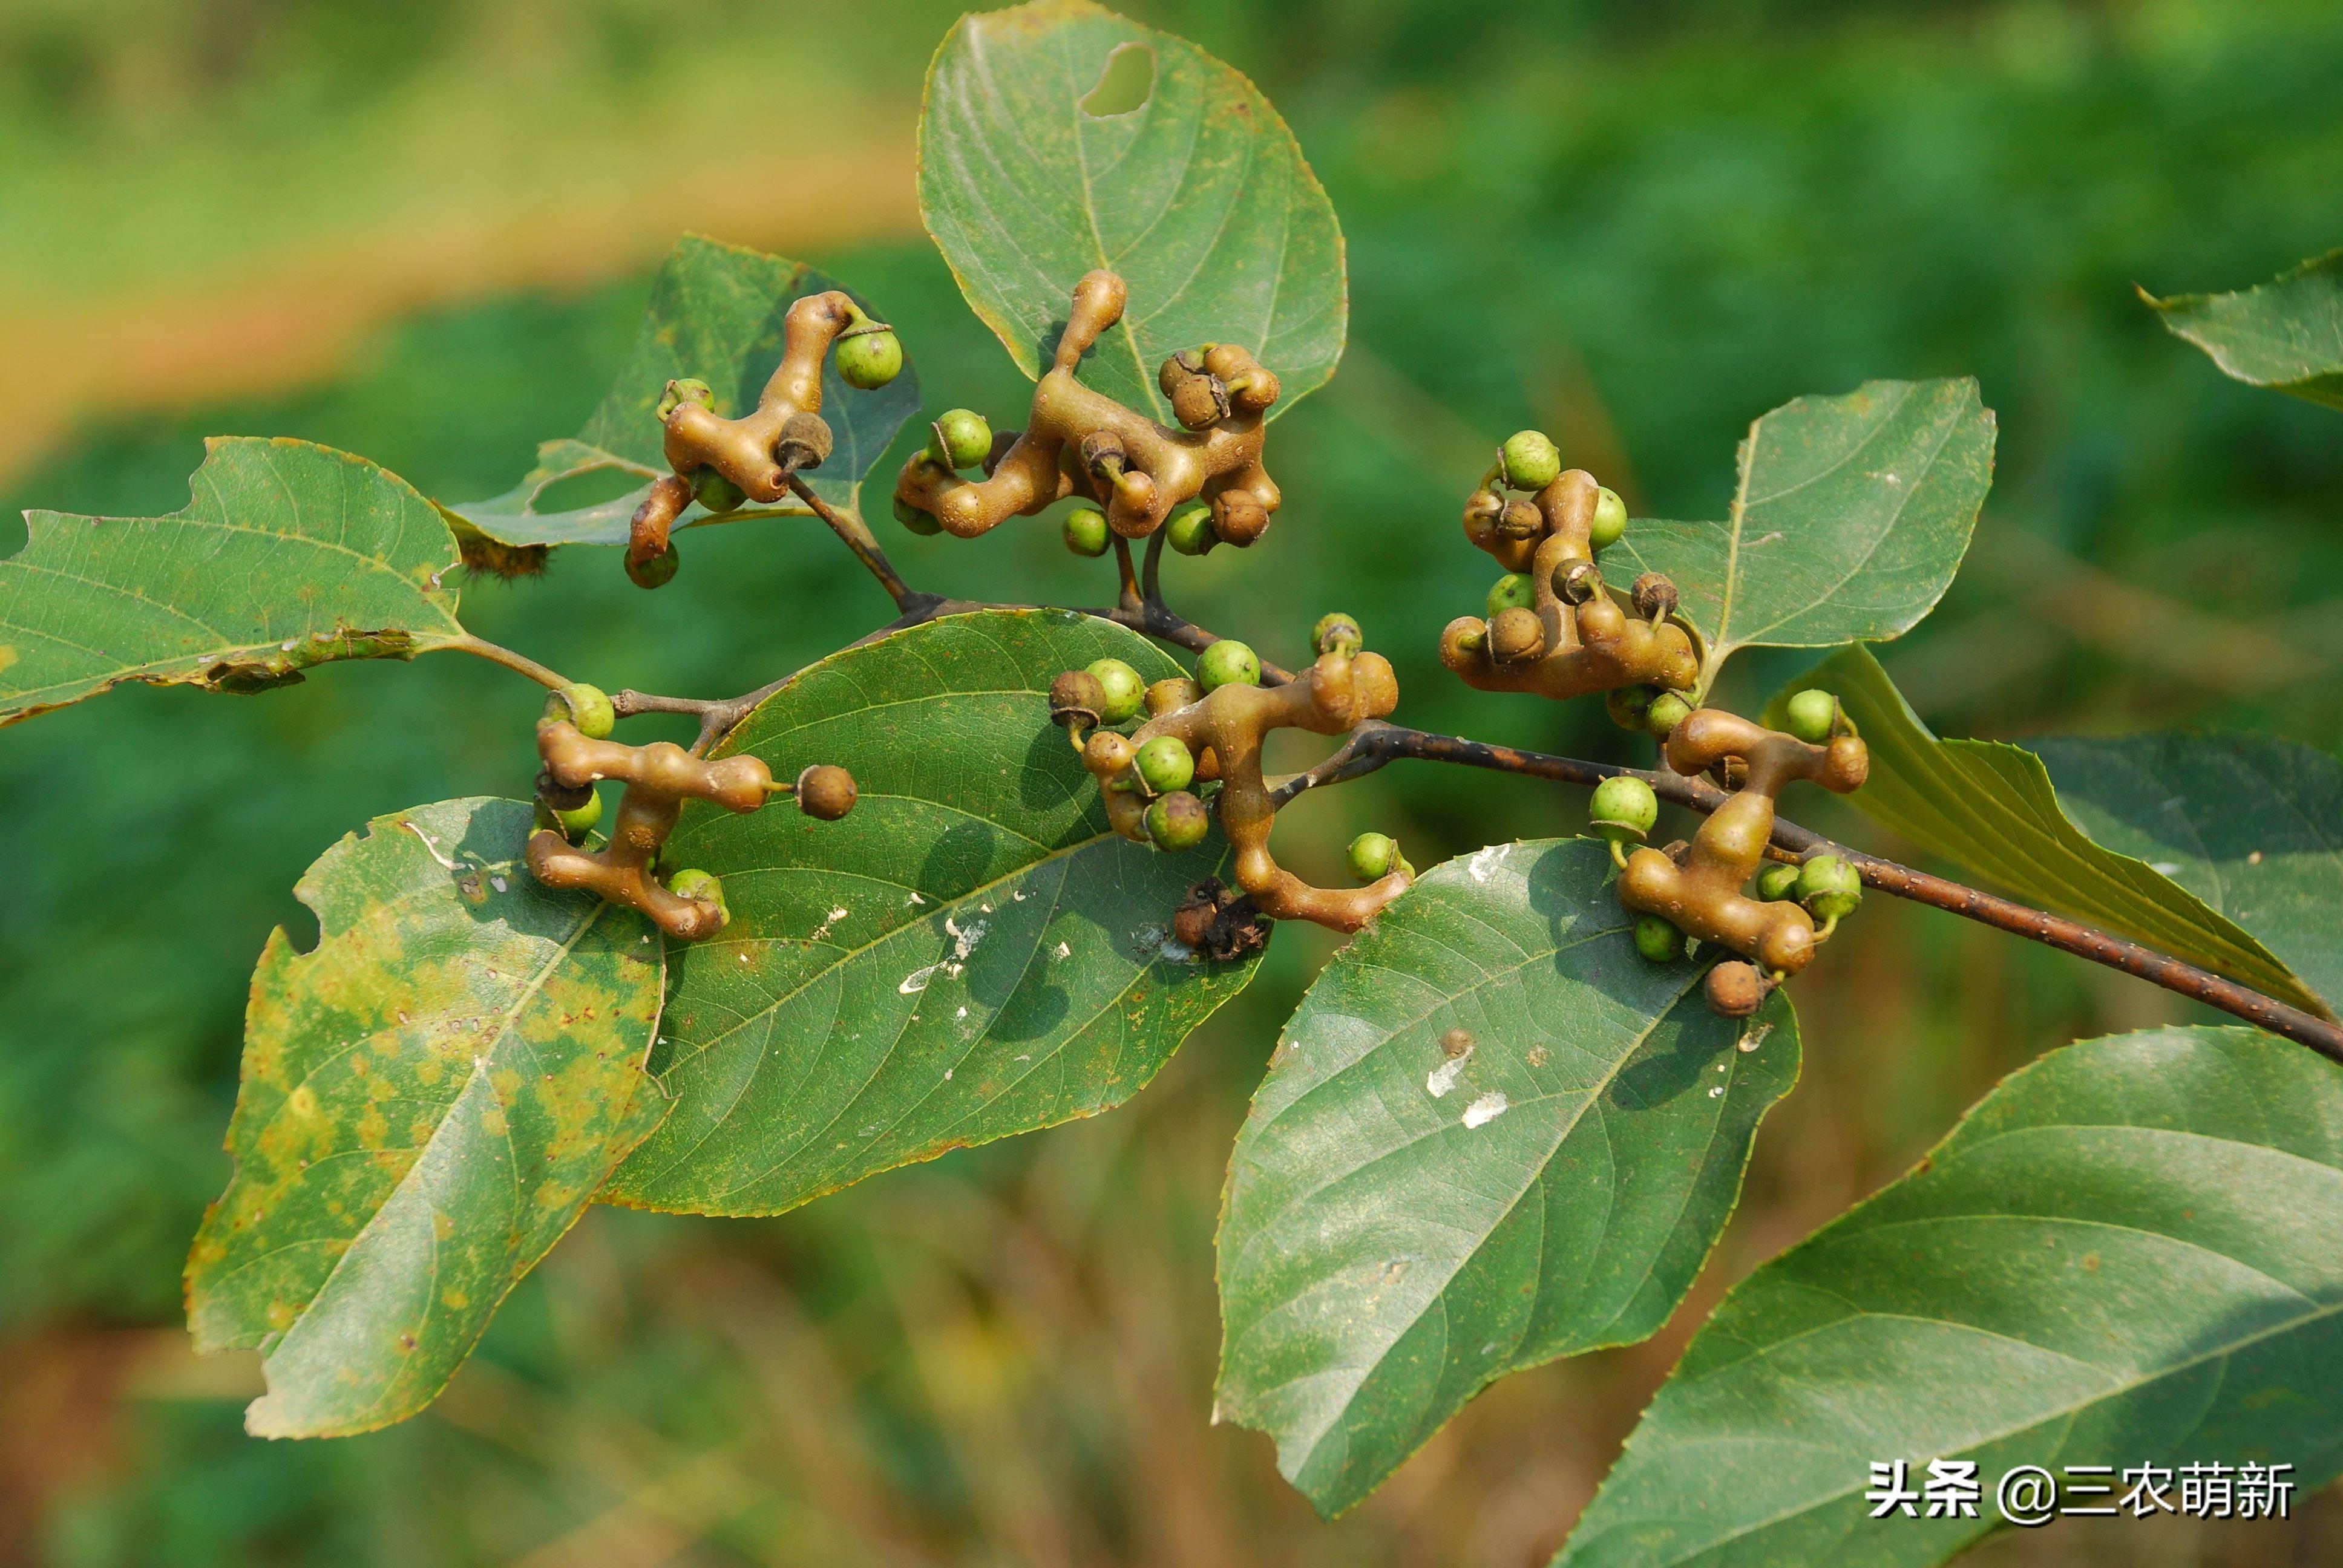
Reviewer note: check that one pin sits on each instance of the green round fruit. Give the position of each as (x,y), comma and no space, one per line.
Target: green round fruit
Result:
(1813,715)
(716,493)
(1512,591)
(587,707)
(657,572)
(1178,821)
(1667,711)
(1776,882)
(1373,856)
(1658,939)
(1630,706)
(1120,691)
(1188,530)
(1086,531)
(685,390)
(694,883)
(1337,633)
(918,521)
(1532,463)
(1623,810)
(869,359)
(571,825)
(1829,888)
(1165,764)
(961,440)
(1227,663)
(1610,519)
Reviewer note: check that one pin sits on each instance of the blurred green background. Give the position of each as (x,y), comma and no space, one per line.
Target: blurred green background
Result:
(423,233)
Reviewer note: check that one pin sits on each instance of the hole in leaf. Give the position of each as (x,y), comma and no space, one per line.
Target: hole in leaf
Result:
(592,487)
(1124,84)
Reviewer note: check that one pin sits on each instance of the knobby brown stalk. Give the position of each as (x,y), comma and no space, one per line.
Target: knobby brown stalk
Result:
(1141,608)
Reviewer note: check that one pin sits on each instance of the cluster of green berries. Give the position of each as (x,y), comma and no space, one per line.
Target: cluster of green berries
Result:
(1109,692)
(590,709)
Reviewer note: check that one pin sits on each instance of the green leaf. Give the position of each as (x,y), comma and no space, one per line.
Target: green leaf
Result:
(1404,1226)
(1850,518)
(972,954)
(2250,824)
(1991,808)
(431,1098)
(2124,1256)
(1200,197)
(715,311)
(2286,333)
(287,555)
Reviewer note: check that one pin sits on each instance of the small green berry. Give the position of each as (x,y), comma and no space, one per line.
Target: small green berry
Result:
(918,521)
(1610,520)
(1532,463)
(571,825)
(1086,531)
(657,572)
(1667,711)
(869,359)
(1337,633)
(1630,706)
(1658,939)
(961,440)
(1178,821)
(1189,530)
(1623,810)
(694,883)
(685,390)
(1829,887)
(1813,714)
(587,707)
(1120,691)
(716,493)
(1512,591)
(1373,856)
(1228,663)
(1776,882)
(1165,764)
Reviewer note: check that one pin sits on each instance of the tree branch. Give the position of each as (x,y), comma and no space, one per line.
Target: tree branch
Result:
(1374,744)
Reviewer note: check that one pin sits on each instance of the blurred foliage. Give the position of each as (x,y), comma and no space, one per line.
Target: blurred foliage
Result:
(1638,227)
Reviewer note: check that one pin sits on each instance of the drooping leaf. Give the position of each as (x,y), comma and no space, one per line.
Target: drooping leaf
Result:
(2250,824)
(288,555)
(1991,808)
(971,954)
(1199,196)
(2123,1257)
(1405,1225)
(431,1098)
(1850,518)
(2286,333)
(715,311)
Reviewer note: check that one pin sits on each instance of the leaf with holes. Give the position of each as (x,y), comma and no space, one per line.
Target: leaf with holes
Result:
(973,953)
(2250,824)
(1199,196)
(431,1096)
(1993,809)
(717,313)
(2123,1257)
(1850,518)
(288,555)
(2286,333)
(1491,1135)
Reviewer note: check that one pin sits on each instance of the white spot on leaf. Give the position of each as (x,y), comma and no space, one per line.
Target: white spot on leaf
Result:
(1486,1109)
